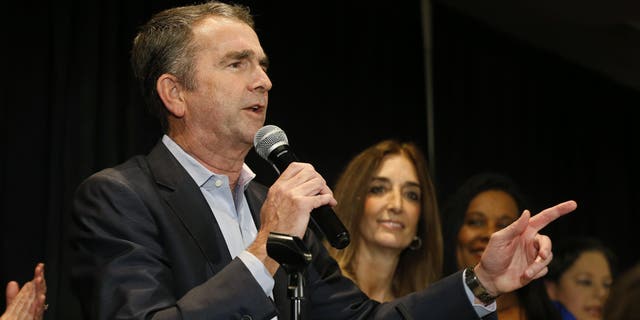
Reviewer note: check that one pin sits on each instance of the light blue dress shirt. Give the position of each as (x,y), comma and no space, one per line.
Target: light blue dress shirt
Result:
(231,210)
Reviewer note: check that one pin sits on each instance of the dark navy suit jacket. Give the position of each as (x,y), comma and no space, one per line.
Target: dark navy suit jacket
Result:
(147,246)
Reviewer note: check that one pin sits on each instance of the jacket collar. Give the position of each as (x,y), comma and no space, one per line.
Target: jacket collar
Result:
(184,198)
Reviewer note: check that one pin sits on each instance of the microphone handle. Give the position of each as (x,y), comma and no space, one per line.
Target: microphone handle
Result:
(333,229)
(324,217)
(281,157)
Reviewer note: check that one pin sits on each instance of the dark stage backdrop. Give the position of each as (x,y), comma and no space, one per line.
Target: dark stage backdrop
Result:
(561,130)
(345,74)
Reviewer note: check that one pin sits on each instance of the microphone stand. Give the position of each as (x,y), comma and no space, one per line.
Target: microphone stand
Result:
(291,253)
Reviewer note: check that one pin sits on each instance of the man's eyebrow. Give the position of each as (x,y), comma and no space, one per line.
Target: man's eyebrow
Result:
(244,54)
(238,55)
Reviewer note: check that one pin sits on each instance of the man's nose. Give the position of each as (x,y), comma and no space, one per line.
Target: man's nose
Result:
(261,82)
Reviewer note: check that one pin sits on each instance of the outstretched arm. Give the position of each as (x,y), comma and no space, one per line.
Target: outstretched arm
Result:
(518,254)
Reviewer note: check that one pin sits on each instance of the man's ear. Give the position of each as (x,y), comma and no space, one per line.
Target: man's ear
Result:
(551,289)
(170,91)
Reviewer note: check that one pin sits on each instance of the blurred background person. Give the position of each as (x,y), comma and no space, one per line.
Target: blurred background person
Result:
(483,204)
(387,201)
(580,277)
(624,296)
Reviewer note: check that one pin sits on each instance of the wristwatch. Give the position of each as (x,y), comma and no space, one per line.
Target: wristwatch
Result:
(479,291)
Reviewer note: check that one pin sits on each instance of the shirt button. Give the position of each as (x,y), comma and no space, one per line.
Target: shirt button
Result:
(218,183)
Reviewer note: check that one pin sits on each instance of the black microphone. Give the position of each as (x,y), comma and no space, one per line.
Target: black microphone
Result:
(272,145)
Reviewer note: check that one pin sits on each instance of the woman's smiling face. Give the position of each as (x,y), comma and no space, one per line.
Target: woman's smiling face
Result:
(488,212)
(392,206)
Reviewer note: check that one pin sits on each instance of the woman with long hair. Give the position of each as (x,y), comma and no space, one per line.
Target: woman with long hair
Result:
(387,201)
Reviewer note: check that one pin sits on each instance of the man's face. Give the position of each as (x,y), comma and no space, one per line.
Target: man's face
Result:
(231,93)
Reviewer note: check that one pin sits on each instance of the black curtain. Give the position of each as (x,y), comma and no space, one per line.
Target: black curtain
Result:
(561,130)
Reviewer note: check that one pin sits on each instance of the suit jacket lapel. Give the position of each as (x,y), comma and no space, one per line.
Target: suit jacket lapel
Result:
(186,201)
(255,194)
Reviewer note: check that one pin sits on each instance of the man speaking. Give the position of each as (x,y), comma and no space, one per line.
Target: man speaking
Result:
(181,233)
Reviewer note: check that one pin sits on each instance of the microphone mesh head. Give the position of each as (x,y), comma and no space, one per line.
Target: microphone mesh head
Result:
(268,138)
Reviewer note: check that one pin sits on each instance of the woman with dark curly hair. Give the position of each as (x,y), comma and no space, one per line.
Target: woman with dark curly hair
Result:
(482,205)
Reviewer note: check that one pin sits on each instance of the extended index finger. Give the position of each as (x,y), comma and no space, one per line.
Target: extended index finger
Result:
(545,217)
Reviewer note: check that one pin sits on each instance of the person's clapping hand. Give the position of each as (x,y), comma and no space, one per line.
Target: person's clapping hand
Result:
(28,302)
